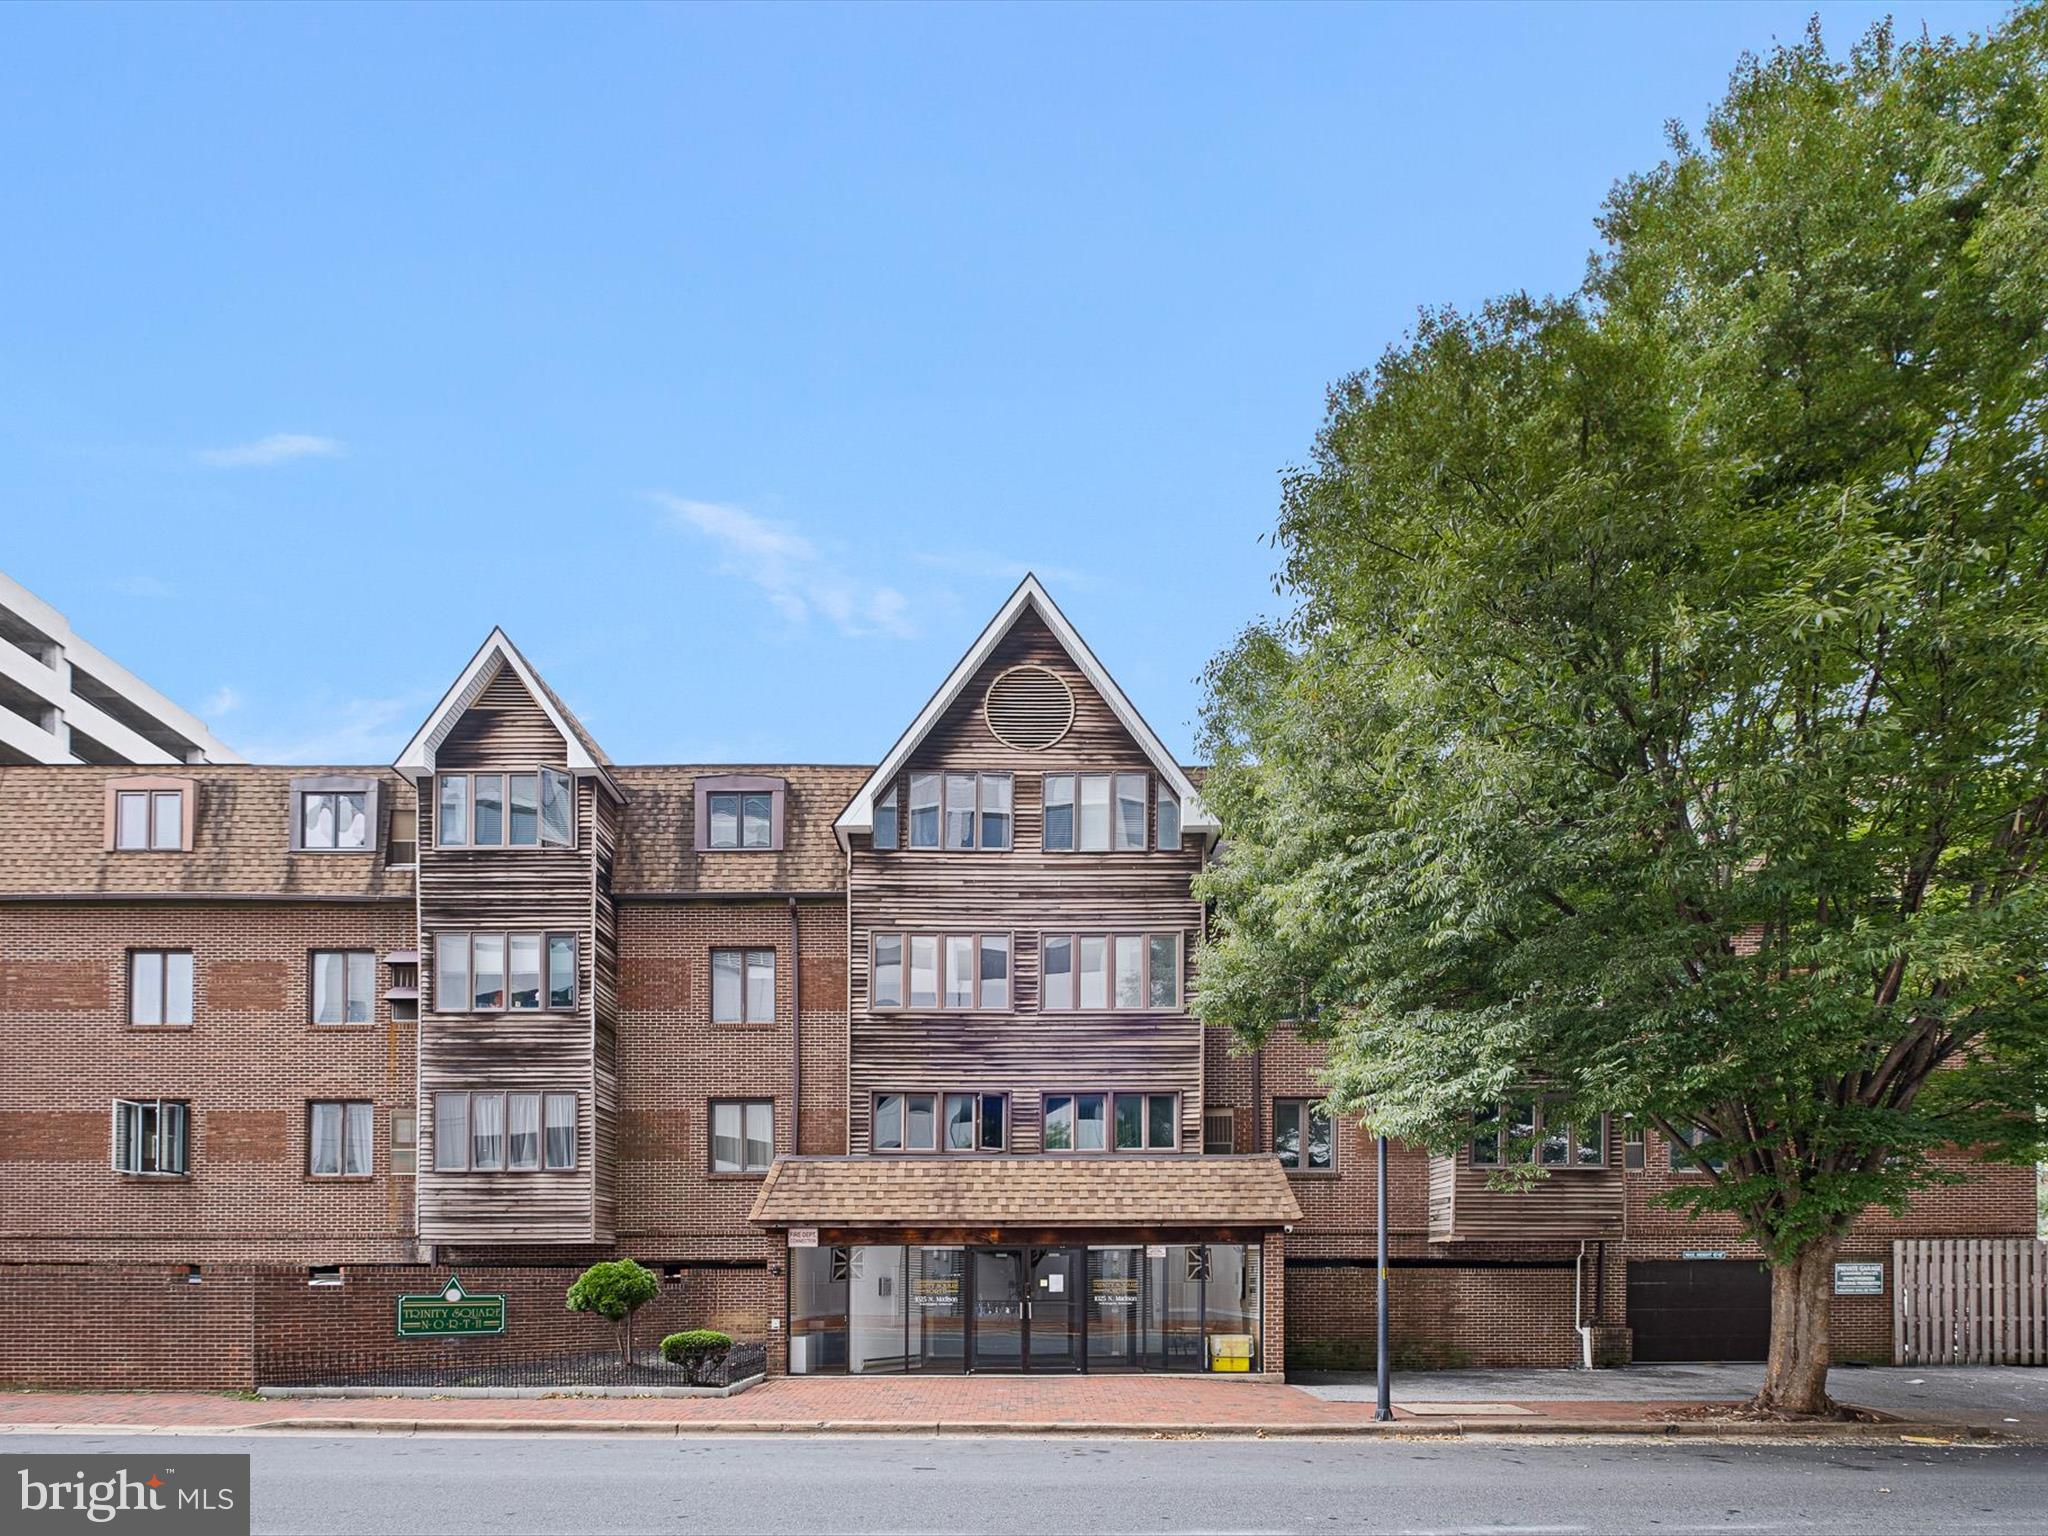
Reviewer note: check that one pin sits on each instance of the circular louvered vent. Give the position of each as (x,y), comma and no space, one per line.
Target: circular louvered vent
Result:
(1028,708)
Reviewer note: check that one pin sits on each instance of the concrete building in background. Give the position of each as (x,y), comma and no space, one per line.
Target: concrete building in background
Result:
(63,701)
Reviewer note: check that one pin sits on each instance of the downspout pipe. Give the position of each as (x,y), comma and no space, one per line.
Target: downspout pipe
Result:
(796,1031)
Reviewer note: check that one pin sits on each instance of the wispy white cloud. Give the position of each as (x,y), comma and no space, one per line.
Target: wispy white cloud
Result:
(798,578)
(224,700)
(142,585)
(342,731)
(278,448)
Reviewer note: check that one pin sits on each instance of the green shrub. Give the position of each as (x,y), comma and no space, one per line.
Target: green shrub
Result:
(615,1290)
(694,1345)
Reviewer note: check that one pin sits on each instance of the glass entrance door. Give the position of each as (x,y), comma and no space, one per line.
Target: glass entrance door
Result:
(999,1304)
(1054,1332)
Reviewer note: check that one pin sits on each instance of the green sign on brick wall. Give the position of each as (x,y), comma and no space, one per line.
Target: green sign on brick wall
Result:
(449,1311)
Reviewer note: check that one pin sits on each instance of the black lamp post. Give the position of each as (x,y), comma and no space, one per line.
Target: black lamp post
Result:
(1385,1410)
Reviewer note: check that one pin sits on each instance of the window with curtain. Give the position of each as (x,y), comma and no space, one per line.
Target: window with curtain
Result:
(514,1132)
(340,1139)
(344,986)
(487,1131)
(560,1123)
(522,1131)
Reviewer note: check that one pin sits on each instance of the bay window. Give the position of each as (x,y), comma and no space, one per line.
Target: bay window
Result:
(529,809)
(957,971)
(1124,971)
(485,972)
(492,1132)
(1536,1131)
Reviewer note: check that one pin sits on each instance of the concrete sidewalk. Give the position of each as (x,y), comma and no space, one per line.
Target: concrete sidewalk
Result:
(1128,1405)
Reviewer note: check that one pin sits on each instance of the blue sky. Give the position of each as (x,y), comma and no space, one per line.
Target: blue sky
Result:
(738,361)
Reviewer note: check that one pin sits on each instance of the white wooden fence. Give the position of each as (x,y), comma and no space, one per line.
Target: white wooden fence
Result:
(1970,1301)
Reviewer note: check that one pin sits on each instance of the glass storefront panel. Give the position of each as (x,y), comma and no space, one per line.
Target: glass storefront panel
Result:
(1167,1307)
(1114,1280)
(817,1309)
(1230,1306)
(938,1309)
(877,1317)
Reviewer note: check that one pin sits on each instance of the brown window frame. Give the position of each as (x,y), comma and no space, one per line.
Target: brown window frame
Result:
(937,1096)
(1212,1114)
(540,773)
(1145,973)
(546,936)
(745,1170)
(1145,1096)
(742,785)
(163,991)
(940,969)
(151,786)
(469,1096)
(1301,1166)
(313,990)
(336,785)
(1108,1098)
(977,816)
(341,1175)
(1115,845)
(1502,1120)
(747,954)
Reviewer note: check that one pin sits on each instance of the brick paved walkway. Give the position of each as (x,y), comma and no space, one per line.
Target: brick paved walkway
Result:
(1134,1404)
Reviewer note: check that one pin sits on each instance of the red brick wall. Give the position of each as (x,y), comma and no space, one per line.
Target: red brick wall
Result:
(1437,1318)
(125,1326)
(247,1066)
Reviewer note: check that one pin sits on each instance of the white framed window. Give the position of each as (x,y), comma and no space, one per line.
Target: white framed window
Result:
(1124,972)
(151,1136)
(486,972)
(906,1122)
(159,987)
(1304,1135)
(527,809)
(344,986)
(743,986)
(340,1138)
(951,971)
(742,1135)
(1147,1122)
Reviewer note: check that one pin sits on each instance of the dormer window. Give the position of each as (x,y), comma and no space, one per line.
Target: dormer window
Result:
(334,813)
(506,810)
(740,813)
(150,815)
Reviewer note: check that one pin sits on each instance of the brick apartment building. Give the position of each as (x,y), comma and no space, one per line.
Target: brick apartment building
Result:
(887,1067)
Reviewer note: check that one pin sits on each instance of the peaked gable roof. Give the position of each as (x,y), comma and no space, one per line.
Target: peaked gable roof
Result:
(859,815)
(497,654)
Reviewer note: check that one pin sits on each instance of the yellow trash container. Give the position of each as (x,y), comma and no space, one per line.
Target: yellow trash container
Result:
(1230,1352)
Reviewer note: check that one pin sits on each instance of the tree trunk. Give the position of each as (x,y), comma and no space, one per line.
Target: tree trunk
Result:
(626,1341)
(1796,1380)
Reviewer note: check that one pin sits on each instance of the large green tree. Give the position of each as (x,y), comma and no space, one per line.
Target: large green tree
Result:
(1662,715)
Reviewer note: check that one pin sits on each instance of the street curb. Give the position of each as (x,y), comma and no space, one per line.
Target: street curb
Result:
(1409,1429)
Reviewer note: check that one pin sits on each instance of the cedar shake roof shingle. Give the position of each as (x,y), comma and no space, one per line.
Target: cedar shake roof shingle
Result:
(659,832)
(1105,1191)
(53,836)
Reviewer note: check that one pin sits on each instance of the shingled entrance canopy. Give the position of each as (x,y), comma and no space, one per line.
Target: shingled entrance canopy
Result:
(1108,1191)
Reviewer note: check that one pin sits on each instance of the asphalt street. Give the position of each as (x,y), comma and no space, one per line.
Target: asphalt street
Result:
(509,1484)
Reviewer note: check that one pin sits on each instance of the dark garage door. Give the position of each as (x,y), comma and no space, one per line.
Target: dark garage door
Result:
(1700,1309)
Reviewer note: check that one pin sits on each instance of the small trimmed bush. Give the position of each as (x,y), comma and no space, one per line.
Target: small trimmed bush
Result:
(697,1346)
(615,1290)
